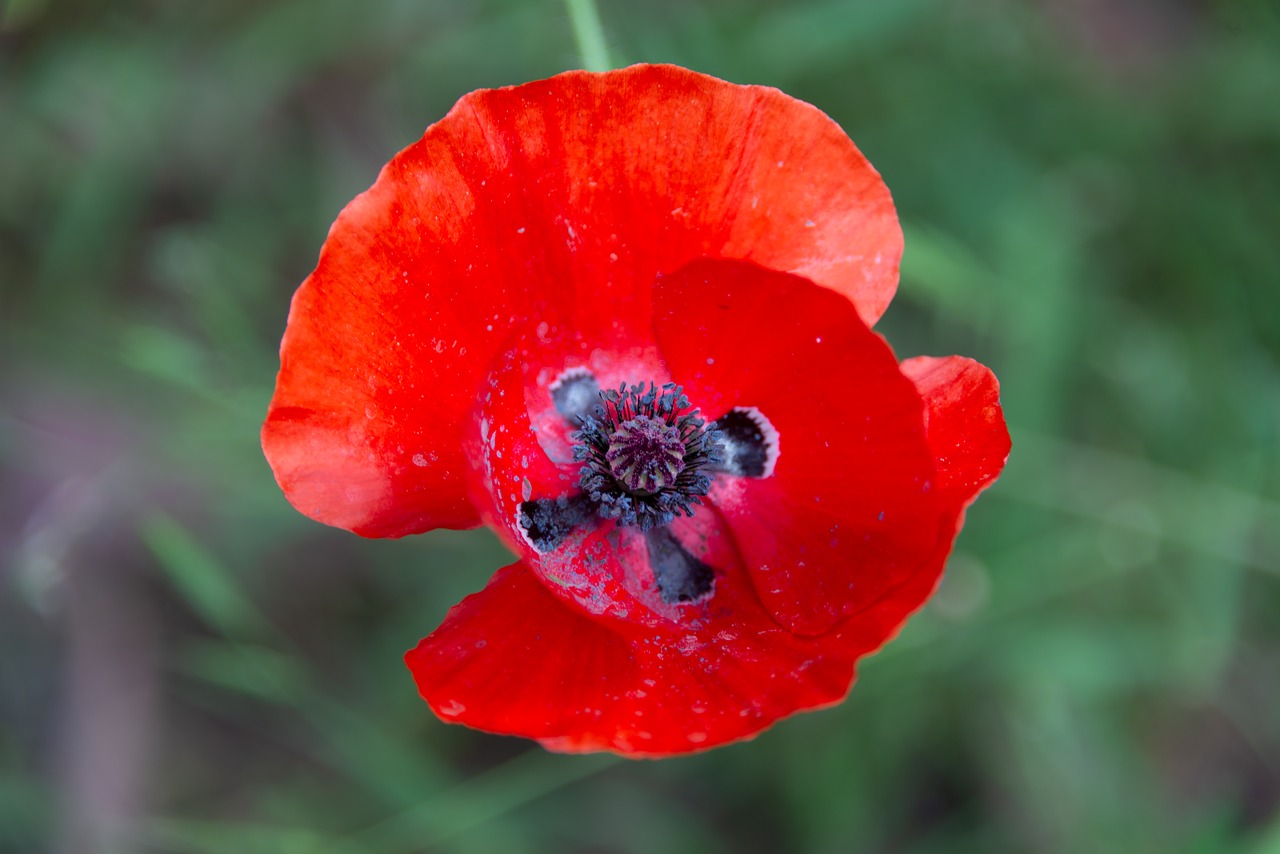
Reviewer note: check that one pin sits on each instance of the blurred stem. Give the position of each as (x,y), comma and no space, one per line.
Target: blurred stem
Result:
(588,34)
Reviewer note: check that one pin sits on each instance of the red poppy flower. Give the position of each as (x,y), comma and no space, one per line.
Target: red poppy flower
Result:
(623,319)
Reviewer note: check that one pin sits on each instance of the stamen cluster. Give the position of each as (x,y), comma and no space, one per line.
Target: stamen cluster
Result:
(645,453)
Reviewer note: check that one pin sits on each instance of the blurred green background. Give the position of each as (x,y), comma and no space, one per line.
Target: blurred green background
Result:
(1091,195)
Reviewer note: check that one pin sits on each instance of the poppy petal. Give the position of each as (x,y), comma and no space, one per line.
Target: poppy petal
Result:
(850,511)
(514,659)
(378,366)
(964,423)
(349,433)
(582,187)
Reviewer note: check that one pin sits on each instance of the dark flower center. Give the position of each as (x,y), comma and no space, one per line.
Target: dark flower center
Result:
(646,454)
